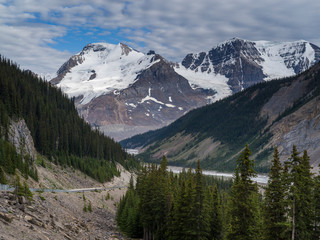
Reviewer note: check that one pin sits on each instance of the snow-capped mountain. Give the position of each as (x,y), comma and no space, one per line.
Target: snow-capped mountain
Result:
(236,64)
(102,68)
(125,92)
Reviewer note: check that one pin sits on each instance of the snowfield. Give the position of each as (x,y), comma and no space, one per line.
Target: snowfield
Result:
(105,68)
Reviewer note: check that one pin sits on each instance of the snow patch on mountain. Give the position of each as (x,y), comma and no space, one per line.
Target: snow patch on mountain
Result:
(104,68)
(236,64)
(205,80)
(279,58)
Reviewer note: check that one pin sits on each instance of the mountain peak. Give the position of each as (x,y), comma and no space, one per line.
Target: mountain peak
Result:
(231,41)
(125,49)
(97,47)
(240,63)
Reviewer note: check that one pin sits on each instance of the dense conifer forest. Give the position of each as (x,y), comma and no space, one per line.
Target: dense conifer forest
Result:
(163,205)
(57,130)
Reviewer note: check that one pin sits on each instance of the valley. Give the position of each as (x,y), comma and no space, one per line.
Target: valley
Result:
(82,177)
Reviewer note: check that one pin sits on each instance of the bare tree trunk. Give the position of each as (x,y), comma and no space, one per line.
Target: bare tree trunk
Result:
(293,220)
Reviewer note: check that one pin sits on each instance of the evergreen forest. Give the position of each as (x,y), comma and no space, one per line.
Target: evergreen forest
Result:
(163,205)
(57,131)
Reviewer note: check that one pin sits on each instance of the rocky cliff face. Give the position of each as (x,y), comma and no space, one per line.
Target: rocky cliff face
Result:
(158,97)
(20,136)
(124,92)
(300,128)
(245,63)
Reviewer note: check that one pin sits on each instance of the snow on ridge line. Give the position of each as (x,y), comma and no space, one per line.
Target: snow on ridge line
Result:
(104,71)
(274,64)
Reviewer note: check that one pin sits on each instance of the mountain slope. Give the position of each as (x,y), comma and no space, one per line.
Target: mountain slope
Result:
(276,113)
(237,63)
(56,129)
(125,92)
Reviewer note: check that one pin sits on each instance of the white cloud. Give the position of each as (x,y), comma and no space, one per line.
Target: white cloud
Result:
(28,47)
(172,28)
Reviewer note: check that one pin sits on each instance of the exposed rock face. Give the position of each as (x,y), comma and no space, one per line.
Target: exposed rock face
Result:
(124,92)
(245,63)
(20,137)
(302,129)
(158,97)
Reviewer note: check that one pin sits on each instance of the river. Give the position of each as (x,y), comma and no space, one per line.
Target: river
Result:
(261,178)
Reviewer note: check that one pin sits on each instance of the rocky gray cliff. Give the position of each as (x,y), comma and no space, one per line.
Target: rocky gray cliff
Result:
(245,63)
(158,97)
(20,136)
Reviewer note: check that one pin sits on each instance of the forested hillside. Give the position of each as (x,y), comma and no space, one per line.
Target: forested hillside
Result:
(216,133)
(57,130)
(163,205)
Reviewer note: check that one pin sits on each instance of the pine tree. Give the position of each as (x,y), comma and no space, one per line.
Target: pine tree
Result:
(300,195)
(243,208)
(316,232)
(3,179)
(214,213)
(305,202)
(274,205)
(200,205)
(153,193)
(181,207)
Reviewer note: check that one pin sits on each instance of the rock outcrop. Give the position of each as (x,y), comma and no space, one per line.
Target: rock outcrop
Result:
(20,136)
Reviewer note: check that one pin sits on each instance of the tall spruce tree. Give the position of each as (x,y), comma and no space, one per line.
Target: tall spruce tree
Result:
(305,203)
(181,206)
(200,208)
(214,213)
(3,179)
(274,205)
(316,223)
(243,208)
(300,195)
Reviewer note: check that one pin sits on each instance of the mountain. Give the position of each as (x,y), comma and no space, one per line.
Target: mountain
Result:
(237,63)
(124,92)
(32,112)
(269,114)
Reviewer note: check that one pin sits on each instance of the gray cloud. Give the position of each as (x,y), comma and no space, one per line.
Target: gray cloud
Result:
(172,28)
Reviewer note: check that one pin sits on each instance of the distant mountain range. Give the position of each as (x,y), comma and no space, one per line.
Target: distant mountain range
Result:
(124,92)
(279,113)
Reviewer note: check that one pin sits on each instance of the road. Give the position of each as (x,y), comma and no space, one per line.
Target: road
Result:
(10,189)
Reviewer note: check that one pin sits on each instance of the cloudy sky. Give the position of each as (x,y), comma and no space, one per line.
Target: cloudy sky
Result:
(42,34)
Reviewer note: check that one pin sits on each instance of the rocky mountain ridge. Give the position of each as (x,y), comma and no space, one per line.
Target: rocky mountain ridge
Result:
(142,93)
(244,63)
(124,92)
